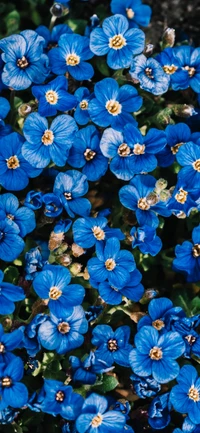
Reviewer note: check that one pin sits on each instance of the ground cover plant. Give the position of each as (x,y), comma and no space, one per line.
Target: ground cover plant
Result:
(99,217)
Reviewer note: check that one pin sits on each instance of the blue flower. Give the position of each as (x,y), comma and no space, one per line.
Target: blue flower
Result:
(34,262)
(159,412)
(150,75)
(130,152)
(14,169)
(30,340)
(7,415)
(70,187)
(145,387)
(169,63)
(52,37)
(63,334)
(132,290)
(62,226)
(93,312)
(86,371)
(188,74)
(13,393)
(112,105)
(23,217)
(11,244)
(46,143)
(145,238)
(141,197)
(70,57)
(136,13)
(4,107)
(183,201)
(83,97)
(24,60)
(111,263)
(60,399)
(185,397)
(53,284)
(186,328)
(33,199)
(53,206)
(96,417)
(112,346)
(8,342)
(53,97)
(9,293)
(85,153)
(189,158)
(161,312)
(89,231)
(118,41)
(155,355)
(187,258)
(176,135)
(94,22)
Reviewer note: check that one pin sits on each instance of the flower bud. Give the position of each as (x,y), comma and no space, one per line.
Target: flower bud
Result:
(75,268)
(64,260)
(148,295)
(184,110)
(168,38)
(77,251)
(160,185)
(55,240)
(57,10)
(25,109)
(148,49)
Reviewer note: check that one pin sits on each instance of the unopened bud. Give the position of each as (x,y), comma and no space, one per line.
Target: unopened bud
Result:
(148,295)
(64,260)
(160,185)
(77,251)
(184,110)
(57,10)
(165,195)
(148,49)
(75,268)
(55,240)
(137,316)
(152,198)
(86,274)
(164,117)
(168,38)
(26,109)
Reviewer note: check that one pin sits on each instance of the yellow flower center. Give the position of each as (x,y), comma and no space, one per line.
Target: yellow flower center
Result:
(191,71)
(13,162)
(89,154)
(47,137)
(130,13)
(83,104)
(142,204)
(110,264)
(139,149)
(60,396)
(51,97)
(170,69)
(155,353)
(113,107)
(99,234)
(158,324)
(196,250)
(10,217)
(55,293)
(181,196)
(196,165)
(112,345)
(175,148)
(22,63)
(193,394)
(6,381)
(117,42)
(73,60)
(97,421)
(63,327)
(124,150)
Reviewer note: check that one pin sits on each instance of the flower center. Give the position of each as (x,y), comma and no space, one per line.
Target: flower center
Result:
(99,234)
(63,327)
(158,324)
(97,421)
(2,348)
(175,148)
(47,137)
(181,196)
(83,104)
(60,396)
(149,72)
(13,162)
(196,250)
(22,63)
(10,217)
(155,353)
(73,60)
(130,13)
(142,204)
(112,345)
(117,42)
(54,293)
(190,339)
(196,165)
(191,71)
(170,69)
(6,381)
(68,195)
(124,150)
(89,154)
(51,97)
(110,264)
(193,394)
(139,149)
(113,107)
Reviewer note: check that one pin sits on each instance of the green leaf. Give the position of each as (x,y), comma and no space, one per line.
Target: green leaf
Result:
(12,21)
(78,26)
(109,383)
(102,66)
(11,275)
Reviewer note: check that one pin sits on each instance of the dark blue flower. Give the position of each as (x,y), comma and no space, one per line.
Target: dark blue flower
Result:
(13,393)
(145,387)
(118,41)
(112,346)
(14,169)
(93,312)
(52,37)
(96,417)
(85,153)
(33,200)
(83,97)
(53,97)
(186,328)
(185,397)
(169,63)
(136,13)
(11,244)
(53,206)
(4,107)
(150,75)
(64,333)
(141,197)
(9,293)
(34,262)
(94,22)
(145,238)
(183,201)
(8,342)
(159,412)
(24,60)
(155,355)
(70,57)
(7,416)
(70,187)
(161,312)
(132,290)
(89,231)
(60,399)
(188,74)
(176,136)
(86,371)
(53,284)
(111,263)
(189,158)
(112,105)
(187,258)
(23,217)
(46,143)
(30,340)
(130,152)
